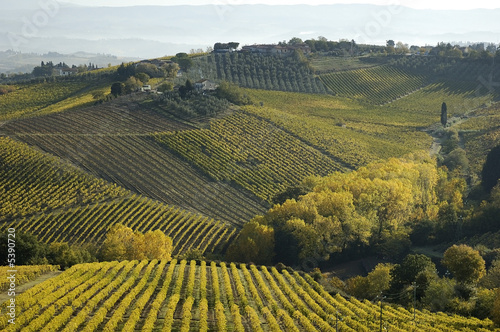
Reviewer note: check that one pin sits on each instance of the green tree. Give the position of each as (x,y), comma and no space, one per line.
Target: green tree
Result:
(64,255)
(166,86)
(496,308)
(439,294)
(491,169)
(131,85)
(183,60)
(117,89)
(142,77)
(465,263)
(444,114)
(290,192)
(414,268)
(457,160)
(171,70)
(295,41)
(28,250)
(185,89)
(376,282)
(232,93)
(492,278)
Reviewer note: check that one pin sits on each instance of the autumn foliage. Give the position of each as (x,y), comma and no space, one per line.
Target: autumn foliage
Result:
(122,243)
(377,205)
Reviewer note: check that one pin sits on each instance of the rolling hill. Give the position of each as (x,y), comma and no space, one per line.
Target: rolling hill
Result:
(72,166)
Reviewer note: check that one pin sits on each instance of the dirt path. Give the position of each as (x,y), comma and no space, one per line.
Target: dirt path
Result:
(24,287)
(436,134)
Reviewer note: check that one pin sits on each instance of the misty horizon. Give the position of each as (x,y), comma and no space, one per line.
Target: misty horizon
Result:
(155,31)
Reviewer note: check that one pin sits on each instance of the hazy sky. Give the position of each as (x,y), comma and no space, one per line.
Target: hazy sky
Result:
(420,4)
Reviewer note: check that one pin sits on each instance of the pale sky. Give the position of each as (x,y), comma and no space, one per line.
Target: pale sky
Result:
(420,4)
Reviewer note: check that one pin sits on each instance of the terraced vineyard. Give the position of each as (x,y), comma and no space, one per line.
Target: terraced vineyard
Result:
(164,296)
(88,224)
(257,71)
(42,98)
(59,202)
(31,182)
(480,132)
(347,131)
(250,152)
(111,142)
(375,85)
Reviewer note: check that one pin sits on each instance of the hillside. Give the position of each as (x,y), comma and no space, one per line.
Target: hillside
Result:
(341,145)
(59,202)
(112,141)
(201,296)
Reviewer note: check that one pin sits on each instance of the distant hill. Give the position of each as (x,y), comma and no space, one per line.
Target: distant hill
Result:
(15,62)
(153,31)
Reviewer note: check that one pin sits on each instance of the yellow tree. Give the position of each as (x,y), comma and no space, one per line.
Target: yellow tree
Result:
(255,243)
(122,243)
(157,245)
(118,243)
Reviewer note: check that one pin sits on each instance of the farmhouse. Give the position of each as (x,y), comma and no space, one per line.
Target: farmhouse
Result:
(205,85)
(67,71)
(280,50)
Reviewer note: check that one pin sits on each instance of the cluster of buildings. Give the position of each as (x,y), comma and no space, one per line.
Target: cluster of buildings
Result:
(269,49)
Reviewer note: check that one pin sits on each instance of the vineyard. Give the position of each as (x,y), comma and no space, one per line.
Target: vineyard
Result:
(352,134)
(258,72)
(58,202)
(32,182)
(447,68)
(24,274)
(375,86)
(460,97)
(44,98)
(88,223)
(481,133)
(325,64)
(116,117)
(250,152)
(200,296)
(111,142)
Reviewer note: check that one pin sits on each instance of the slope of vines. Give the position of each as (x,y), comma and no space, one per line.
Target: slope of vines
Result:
(375,85)
(250,152)
(31,181)
(258,71)
(111,141)
(57,202)
(141,165)
(88,224)
(49,97)
(352,133)
(190,296)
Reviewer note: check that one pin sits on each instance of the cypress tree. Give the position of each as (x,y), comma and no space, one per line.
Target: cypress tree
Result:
(444,114)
